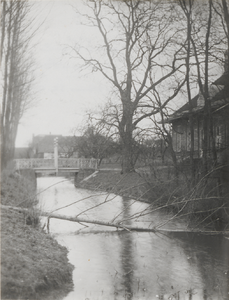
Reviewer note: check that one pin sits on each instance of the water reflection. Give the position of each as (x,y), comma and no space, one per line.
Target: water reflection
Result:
(126,252)
(112,264)
(210,255)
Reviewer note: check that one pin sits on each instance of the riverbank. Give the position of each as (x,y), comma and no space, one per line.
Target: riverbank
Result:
(33,264)
(164,191)
(131,185)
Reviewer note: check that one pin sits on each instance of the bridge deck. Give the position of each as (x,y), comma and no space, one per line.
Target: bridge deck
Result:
(41,170)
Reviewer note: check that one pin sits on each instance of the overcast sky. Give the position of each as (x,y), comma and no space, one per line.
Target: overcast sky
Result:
(61,92)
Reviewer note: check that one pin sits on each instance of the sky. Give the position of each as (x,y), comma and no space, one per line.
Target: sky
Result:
(61,92)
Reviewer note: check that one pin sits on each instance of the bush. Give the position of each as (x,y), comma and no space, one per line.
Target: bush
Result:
(19,190)
(202,202)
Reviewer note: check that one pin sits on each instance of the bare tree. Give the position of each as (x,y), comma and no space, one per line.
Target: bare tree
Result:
(203,47)
(95,144)
(187,7)
(224,14)
(138,54)
(17,77)
(203,51)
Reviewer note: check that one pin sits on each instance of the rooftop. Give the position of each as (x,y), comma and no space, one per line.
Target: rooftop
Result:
(219,97)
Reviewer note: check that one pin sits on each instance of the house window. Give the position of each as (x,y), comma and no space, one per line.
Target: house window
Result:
(178,142)
(188,139)
(218,137)
(174,139)
(201,139)
(226,136)
(196,139)
(179,138)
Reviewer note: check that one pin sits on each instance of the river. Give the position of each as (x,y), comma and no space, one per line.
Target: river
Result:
(117,264)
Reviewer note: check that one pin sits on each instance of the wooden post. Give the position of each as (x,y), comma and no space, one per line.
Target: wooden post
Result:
(75,178)
(56,154)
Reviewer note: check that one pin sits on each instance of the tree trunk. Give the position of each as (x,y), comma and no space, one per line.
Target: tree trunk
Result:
(126,134)
(207,105)
(191,121)
(11,102)
(226,18)
(173,154)
(127,161)
(110,224)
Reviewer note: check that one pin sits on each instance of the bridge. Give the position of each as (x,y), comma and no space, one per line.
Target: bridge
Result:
(40,165)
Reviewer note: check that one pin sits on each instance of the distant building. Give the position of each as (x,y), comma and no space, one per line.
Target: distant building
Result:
(43,146)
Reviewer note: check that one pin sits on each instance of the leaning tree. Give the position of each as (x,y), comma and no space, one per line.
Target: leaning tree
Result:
(138,52)
(16,71)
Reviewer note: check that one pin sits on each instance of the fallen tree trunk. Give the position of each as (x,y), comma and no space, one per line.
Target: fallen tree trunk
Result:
(97,222)
(104,223)
(81,220)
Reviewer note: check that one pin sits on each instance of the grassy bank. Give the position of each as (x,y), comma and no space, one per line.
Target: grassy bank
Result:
(200,204)
(130,185)
(33,264)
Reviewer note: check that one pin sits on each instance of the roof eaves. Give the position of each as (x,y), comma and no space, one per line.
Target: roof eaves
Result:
(222,80)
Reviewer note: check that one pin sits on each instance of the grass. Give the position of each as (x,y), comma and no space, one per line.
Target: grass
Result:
(201,204)
(18,190)
(130,185)
(33,264)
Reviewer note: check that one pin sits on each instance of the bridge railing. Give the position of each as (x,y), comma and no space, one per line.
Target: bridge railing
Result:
(31,163)
(79,163)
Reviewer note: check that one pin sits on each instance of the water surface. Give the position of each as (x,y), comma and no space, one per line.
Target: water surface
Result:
(117,264)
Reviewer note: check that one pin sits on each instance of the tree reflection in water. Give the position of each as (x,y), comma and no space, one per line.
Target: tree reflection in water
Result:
(120,265)
(126,255)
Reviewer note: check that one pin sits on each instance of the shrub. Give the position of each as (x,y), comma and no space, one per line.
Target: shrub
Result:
(203,201)
(19,190)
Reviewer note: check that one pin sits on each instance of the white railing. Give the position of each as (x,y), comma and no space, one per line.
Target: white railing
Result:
(79,163)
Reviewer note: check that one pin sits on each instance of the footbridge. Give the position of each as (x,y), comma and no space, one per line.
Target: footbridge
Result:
(40,165)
